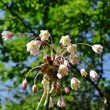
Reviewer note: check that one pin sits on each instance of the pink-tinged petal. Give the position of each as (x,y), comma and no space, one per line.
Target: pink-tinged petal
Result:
(94,75)
(33,47)
(65,40)
(97,48)
(44,35)
(34,88)
(75,84)
(61,102)
(24,84)
(7,34)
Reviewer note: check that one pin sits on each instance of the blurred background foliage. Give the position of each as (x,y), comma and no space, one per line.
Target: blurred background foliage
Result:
(86,21)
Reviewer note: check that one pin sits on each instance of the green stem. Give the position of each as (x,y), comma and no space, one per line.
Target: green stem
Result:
(41,100)
(47,104)
(48,98)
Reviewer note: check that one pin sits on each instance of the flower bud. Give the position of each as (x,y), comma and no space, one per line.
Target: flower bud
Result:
(67,91)
(61,102)
(7,34)
(34,88)
(24,84)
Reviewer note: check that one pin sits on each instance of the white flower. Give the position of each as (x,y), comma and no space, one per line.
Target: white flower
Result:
(65,40)
(7,34)
(63,70)
(97,48)
(72,48)
(50,102)
(33,47)
(83,72)
(75,84)
(74,59)
(44,34)
(61,102)
(93,75)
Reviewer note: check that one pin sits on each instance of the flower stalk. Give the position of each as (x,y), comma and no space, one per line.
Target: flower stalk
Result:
(43,96)
(47,104)
(48,97)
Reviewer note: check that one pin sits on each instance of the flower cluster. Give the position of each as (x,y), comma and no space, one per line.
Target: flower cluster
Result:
(56,68)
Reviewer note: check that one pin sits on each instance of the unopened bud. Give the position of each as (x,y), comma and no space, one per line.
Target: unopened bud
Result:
(24,84)
(7,34)
(34,88)
(67,91)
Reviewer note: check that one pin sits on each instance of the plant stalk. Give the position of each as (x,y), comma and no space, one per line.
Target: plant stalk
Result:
(41,100)
(48,97)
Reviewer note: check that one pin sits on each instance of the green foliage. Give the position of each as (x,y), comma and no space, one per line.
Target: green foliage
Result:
(84,20)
